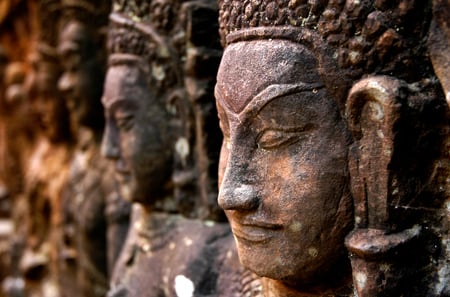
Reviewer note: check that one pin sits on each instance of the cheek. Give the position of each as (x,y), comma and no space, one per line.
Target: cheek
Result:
(128,146)
(151,149)
(291,183)
(300,183)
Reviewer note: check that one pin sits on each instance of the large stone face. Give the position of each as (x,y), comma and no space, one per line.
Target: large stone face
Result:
(283,61)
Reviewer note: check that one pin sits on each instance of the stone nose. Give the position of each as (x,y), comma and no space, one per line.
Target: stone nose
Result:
(110,143)
(239,197)
(238,190)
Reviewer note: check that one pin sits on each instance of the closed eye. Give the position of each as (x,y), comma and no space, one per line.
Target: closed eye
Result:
(125,121)
(275,138)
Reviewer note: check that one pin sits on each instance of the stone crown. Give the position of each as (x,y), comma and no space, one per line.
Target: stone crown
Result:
(378,36)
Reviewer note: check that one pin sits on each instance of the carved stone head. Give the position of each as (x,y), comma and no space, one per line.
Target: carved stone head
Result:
(282,87)
(158,100)
(81,48)
(283,169)
(139,133)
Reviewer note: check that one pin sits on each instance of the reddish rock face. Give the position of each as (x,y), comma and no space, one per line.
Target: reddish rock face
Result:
(283,166)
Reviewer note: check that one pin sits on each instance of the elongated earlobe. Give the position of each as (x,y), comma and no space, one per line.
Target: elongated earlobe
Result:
(373,109)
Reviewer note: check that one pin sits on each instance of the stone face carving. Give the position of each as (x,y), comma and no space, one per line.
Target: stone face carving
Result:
(311,150)
(95,218)
(260,118)
(152,136)
(81,48)
(268,144)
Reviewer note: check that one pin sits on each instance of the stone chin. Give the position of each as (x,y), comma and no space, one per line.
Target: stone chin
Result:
(306,270)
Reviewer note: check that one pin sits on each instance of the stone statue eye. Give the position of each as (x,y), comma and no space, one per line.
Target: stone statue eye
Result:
(276,138)
(125,122)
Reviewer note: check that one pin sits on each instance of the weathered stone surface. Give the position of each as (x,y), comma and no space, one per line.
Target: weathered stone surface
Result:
(169,255)
(333,119)
(335,162)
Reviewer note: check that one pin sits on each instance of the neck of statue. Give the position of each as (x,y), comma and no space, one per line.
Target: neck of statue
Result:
(163,203)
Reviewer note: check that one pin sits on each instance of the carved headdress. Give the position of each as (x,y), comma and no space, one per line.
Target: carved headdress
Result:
(370,36)
(93,15)
(160,31)
(145,30)
(44,59)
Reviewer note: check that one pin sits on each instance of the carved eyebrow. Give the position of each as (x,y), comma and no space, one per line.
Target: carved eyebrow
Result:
(265,96)
(117,103)
(272,92)
(223,103)
(218,94)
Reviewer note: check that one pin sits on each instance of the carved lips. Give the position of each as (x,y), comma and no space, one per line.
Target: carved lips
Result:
(255,232)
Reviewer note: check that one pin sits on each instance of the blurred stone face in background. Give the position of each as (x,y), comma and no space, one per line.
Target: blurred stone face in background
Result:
(94,215)
(81,82)
(137,136)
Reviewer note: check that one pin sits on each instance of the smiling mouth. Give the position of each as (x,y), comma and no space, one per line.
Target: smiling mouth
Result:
(255,233)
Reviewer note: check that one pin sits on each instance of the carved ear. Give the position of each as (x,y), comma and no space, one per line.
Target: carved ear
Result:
(374,107)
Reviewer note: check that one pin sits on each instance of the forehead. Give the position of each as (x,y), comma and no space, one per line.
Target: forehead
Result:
(249,67)
(125,82)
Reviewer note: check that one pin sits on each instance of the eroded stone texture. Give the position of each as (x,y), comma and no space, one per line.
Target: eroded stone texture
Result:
(95,219)
(159,134)
(333,120)
(164,248)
